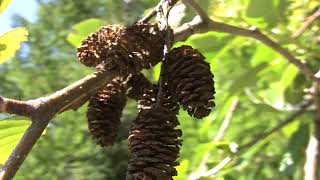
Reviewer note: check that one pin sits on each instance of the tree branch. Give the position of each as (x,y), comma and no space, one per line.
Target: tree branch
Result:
(277,128)
(197,25)
(43,110)
(195,6)
(227,120)
(21,108)
(313,149)
(309,21)
(227,160)
(154,11)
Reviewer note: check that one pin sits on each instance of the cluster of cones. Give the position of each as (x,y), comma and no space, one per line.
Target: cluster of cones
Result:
(154,139)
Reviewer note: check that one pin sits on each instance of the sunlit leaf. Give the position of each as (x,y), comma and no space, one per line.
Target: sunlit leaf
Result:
(10,42)
(10,133)
(4,4)
(83,29)
(183,170)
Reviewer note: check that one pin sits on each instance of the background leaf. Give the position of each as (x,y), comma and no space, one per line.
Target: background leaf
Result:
(10,133)
(10,42)
(83,29)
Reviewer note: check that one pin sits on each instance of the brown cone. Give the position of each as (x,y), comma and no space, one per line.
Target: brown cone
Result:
(190,80)
(154,144)
(138,84)
(149,99)
(104,112)
(128,49)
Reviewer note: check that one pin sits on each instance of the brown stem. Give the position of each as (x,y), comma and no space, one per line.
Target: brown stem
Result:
(313,150)
(21,108)
(309,21)
(44,110)
(197,25)
(154,11)
(227,160)
(277,128)
(195,6)
(167,46)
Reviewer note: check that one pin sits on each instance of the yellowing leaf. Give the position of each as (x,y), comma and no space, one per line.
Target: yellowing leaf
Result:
(10,133)
(4,4)
(10,43)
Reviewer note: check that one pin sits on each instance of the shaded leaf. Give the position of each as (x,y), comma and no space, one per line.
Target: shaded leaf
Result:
(296,150)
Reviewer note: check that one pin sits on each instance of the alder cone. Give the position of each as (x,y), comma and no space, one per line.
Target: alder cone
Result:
(138,83)
(190,80)
(154,144)
(105,110)
(128,49)
(149,99)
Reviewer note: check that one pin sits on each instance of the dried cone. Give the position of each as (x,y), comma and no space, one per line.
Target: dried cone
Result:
(190,80)
(149,99)
(154,144)
(129,49)
(104,112)
(138,84)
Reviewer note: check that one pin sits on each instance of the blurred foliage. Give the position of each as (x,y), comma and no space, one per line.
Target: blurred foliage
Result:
(4,4)
(268,88)
(10,133)
(10,43)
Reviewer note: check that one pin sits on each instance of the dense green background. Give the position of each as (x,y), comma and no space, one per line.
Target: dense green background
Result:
(245,70)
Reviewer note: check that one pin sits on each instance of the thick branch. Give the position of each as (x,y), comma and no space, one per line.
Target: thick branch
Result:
(44,109)
(313,150)
(21,108)
(197,25)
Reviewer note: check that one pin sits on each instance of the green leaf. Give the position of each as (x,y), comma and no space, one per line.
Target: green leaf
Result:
(4,4)
(83,29)
(10,42)
(182,170)
(262,13)
(296,150)
(11,132)
(250,77)
(289,75)
(263,54)
(156,72)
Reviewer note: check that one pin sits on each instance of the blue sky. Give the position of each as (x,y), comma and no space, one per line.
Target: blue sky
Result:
(25,8)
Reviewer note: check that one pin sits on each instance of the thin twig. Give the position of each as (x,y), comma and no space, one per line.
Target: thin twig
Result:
(164,15)
(154,11)
(197,25)
(195,6)
(227,160)
(227,120)
(306,24)
(277,128)
(219,137)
